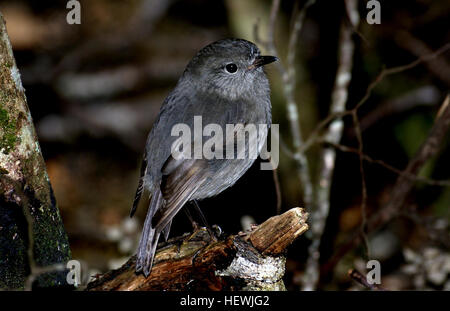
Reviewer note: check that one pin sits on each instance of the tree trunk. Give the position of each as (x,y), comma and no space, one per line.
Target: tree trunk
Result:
(32,235)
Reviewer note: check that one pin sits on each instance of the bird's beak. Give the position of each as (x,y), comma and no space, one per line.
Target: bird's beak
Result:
(261,61)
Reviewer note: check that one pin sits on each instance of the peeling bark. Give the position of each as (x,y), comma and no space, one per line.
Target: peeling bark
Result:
(28,211)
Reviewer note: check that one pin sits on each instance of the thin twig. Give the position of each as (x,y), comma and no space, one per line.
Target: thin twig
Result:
(402,187)
(366,157)
(439,67)
(312,139)
(357,127)
(426,96)
(288,75)
(428,181)
(432,232)
(328,155)
(359,278)
(276,181)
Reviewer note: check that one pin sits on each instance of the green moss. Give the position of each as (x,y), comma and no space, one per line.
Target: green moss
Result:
(33,166)
(8,137)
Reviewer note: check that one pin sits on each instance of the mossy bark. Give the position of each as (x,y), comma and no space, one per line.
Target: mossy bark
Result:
(29,217)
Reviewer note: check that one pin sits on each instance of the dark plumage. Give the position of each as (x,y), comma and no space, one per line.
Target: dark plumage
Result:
(225,84)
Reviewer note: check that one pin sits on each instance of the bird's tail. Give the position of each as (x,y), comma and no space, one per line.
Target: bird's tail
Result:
(149,237)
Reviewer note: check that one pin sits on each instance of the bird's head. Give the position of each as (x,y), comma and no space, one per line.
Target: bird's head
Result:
(230,68)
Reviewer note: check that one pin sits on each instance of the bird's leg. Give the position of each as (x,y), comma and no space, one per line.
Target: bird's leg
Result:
(194,224)
(195,227)
(204,221)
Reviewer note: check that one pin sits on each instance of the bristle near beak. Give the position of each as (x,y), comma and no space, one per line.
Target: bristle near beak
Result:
(261,61)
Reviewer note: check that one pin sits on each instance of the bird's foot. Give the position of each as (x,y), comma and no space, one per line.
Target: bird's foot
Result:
(211,234)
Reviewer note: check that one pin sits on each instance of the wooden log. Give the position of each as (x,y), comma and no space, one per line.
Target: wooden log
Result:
(278,232)
(247,261)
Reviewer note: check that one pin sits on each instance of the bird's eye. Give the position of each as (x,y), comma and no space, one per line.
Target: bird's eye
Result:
(231,68)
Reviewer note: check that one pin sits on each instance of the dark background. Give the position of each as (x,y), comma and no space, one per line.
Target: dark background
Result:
(94,90)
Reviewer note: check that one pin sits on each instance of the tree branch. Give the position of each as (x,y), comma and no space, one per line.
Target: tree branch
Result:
(403,185)
(327,158)
(288,76)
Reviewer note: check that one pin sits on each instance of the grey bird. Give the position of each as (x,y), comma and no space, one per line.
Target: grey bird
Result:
(224,83)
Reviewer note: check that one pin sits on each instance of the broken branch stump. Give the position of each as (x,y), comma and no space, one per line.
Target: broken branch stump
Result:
(247,261)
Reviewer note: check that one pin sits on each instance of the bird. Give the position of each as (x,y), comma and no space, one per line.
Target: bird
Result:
(224,83)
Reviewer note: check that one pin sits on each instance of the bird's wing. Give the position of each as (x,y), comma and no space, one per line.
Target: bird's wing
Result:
(140,188)
(181,178)
(180,181)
